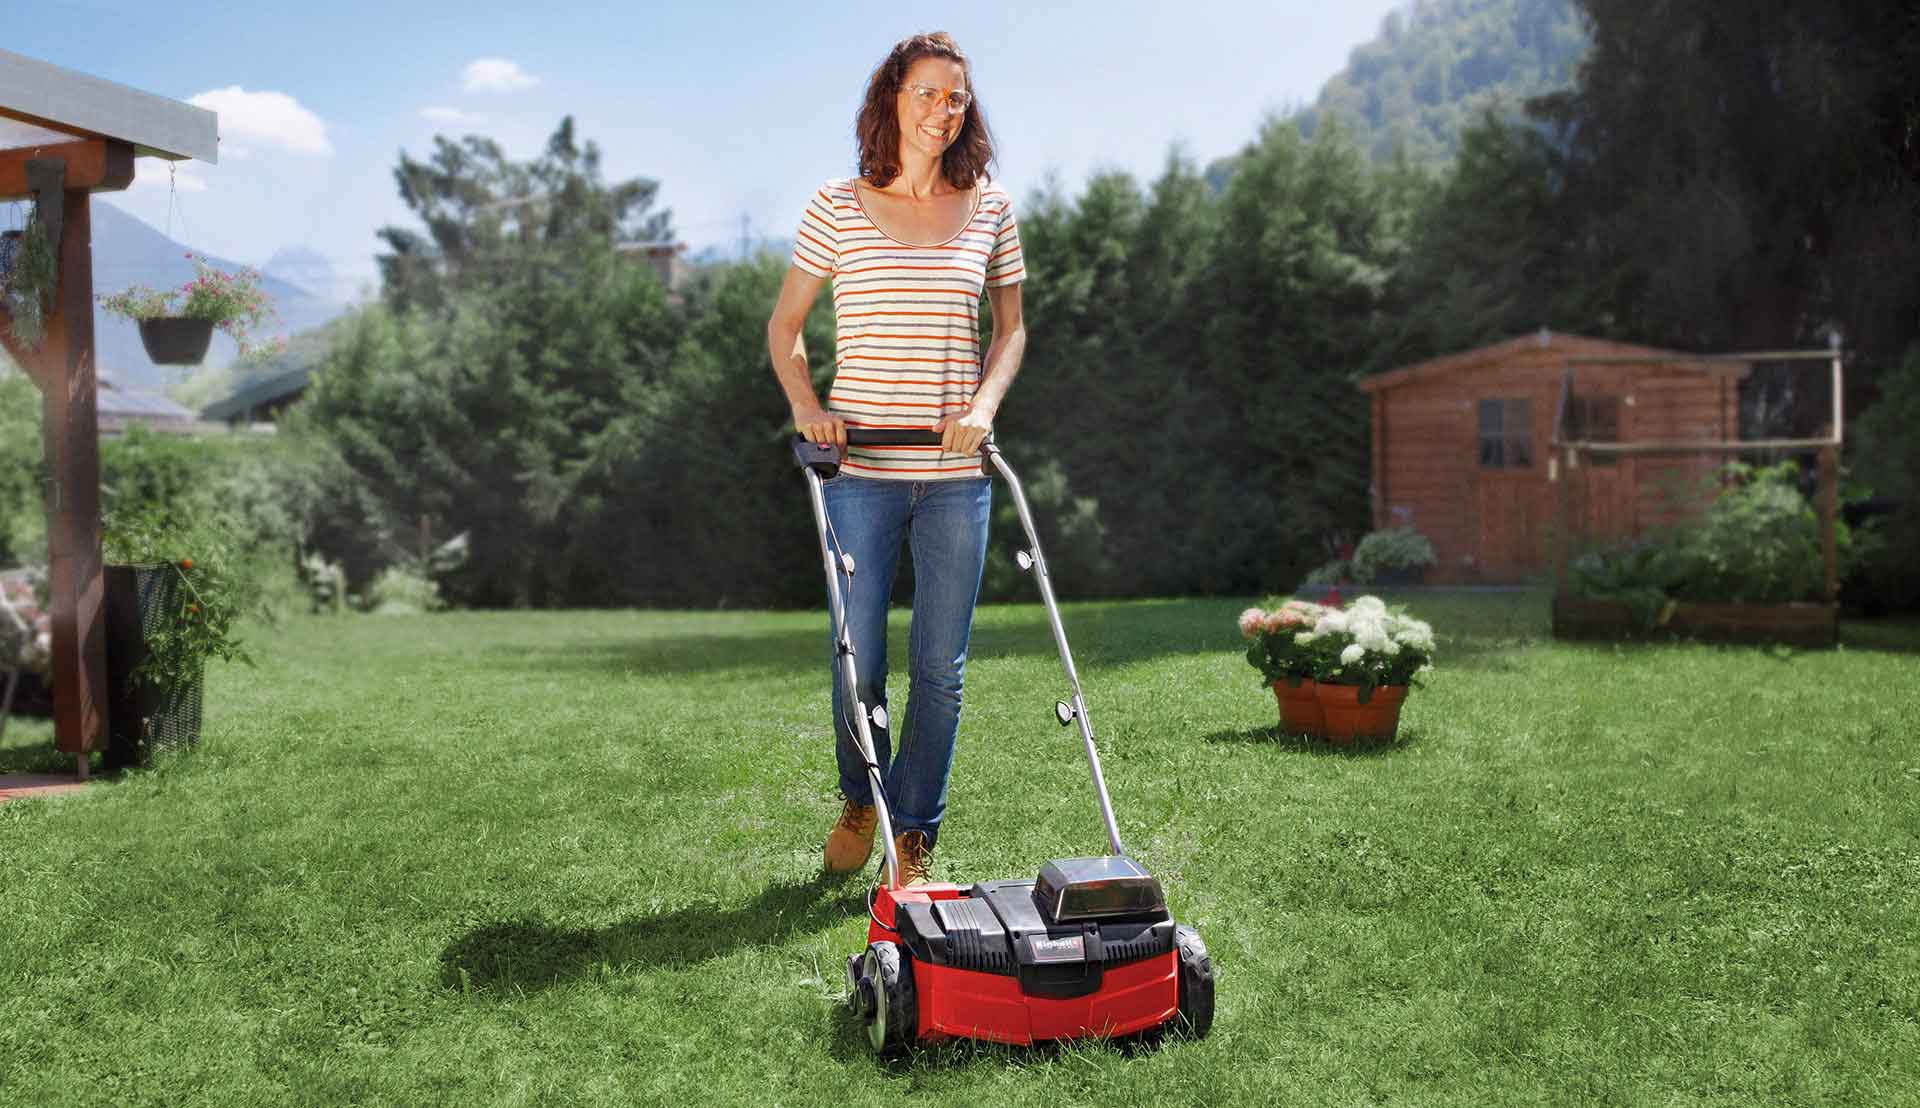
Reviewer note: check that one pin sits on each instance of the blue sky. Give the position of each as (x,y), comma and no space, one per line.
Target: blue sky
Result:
(739,110)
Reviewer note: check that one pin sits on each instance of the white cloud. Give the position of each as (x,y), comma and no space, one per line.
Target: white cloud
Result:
(152,173)
(450,115)
(496,75)
(273,118)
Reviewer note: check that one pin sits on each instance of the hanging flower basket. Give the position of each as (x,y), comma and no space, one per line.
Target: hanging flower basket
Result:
(177,326)
(176,340)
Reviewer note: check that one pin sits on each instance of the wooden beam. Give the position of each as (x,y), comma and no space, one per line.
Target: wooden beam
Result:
(1703,446)
(72,433)
(44,95)
(28,360)
(93,165)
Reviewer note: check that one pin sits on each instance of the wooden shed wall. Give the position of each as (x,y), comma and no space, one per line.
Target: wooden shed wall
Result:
(1496,524)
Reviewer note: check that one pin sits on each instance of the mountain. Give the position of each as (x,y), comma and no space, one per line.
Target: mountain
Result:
(305,268)
(128,252)
(1434,67)
(1437,64)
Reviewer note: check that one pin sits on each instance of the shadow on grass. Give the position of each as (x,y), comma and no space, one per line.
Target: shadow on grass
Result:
(1884,636)
(528,954)
(1100,635)
(1301,744)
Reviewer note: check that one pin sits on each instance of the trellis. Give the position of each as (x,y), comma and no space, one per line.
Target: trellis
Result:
(1570,454)
(65,135)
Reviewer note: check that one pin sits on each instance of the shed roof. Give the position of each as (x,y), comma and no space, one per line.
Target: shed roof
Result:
(41,104)
(1553,348)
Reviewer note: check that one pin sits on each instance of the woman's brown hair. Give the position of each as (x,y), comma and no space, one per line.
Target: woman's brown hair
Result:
(878,127)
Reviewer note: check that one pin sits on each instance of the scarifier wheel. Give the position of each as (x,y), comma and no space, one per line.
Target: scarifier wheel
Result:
(1196,983)
(885,996)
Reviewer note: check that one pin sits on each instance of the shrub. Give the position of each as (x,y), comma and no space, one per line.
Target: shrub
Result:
(400,592)
(1396,550)
(1757,542)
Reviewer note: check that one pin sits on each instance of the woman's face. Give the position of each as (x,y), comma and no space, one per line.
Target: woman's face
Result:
(927,124)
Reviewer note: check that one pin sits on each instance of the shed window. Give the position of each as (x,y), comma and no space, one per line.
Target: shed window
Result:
(1594,419)
(1506,433)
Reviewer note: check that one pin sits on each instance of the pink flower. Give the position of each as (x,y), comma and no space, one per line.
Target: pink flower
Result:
(1279,619)
(1251,621)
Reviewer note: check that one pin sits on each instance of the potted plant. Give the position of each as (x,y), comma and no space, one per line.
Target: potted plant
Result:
(1394,556)
(177,326)
(1369,656)
(173,597)
(1286,662)
(28,275)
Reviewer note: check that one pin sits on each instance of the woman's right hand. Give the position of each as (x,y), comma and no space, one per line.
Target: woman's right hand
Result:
(816,424)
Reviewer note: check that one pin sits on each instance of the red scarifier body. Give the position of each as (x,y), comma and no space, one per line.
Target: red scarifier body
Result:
(969,1004)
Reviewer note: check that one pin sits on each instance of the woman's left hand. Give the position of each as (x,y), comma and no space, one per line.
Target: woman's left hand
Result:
(964,433)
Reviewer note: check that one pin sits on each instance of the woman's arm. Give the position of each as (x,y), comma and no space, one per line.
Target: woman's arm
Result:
(965,434)
(789,356)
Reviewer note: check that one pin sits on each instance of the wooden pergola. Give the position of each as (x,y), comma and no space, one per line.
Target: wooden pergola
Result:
(64,136)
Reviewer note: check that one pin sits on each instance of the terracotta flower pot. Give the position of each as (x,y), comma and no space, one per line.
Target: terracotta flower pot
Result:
(176,340)
(1348,719)
(1300,712)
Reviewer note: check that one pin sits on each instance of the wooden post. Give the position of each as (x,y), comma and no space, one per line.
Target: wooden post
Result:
(72,426)
(1558,463)
(1829,516)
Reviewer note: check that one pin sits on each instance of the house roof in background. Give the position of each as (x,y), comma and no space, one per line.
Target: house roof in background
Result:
(41,104)
(290,383)
(116,399)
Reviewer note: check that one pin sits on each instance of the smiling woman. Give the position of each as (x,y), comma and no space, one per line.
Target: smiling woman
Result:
(910,245)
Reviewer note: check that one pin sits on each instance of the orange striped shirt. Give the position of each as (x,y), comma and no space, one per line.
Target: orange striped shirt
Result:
(907,320)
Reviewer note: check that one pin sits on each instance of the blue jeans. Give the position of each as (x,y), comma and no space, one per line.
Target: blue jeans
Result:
(946,524)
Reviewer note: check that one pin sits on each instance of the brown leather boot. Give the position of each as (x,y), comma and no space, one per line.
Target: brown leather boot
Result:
(851,840)
(916,858)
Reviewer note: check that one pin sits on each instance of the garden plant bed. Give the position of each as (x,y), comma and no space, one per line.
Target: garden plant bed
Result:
(1809,625)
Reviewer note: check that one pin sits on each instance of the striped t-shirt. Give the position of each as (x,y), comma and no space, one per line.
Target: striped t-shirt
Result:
(908,321)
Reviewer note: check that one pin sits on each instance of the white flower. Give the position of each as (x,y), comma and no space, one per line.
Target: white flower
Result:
(1304,638)
(1369,605)
(1352,654)
(1415,634)
(1332,623)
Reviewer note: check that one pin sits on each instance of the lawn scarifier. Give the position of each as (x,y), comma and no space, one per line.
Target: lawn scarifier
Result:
(1086,948)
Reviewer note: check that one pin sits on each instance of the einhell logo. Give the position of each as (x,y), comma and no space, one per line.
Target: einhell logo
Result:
(1070,949)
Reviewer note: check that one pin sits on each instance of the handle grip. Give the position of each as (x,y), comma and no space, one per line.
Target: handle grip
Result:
(875,436)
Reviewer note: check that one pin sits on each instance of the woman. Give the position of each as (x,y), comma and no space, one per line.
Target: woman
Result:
(909,245)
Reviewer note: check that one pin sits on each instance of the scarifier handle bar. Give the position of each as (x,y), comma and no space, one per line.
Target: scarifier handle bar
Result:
(822,458)
(820,462)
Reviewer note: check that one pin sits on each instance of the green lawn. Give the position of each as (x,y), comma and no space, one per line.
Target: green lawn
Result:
(571,858)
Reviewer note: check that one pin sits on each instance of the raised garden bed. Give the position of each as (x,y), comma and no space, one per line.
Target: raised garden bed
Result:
(1810,625)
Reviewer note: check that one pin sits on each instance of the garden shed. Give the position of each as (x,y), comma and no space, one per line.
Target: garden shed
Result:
(1463,445)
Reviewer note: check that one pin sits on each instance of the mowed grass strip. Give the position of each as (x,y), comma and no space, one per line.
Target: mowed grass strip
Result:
(572,858)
